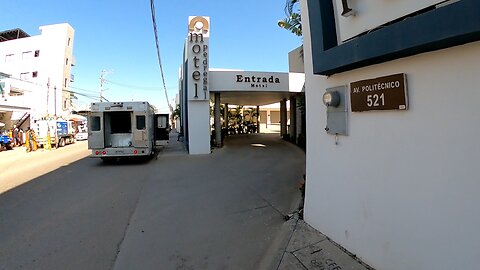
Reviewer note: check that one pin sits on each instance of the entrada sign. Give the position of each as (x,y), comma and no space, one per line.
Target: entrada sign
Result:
(383,93)
(257,81)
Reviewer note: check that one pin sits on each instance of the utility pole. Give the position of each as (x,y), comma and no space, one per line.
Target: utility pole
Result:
(103,74)
(48,92)
(55,100)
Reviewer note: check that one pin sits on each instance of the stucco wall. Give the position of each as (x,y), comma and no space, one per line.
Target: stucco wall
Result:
(401,191)
(199,127)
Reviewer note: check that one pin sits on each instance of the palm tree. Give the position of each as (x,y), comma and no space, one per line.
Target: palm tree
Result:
(293,21)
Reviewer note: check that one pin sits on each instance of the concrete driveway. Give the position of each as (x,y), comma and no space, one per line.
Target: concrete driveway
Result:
(218,211)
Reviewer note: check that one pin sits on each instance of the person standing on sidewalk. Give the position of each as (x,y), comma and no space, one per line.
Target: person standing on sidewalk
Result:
(28,140)
(20,137)
(31,142)
(15,135)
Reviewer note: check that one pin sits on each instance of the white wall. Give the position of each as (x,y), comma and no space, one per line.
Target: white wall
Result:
(402,190)
(55,52)
(370,14)
(54,49)
(199,127)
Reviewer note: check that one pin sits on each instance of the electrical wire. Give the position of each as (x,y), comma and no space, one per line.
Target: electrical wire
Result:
(154,22)
(136,87)
(86,90)
(93,97)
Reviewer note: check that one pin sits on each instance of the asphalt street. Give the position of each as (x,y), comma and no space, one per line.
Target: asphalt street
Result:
(219,211)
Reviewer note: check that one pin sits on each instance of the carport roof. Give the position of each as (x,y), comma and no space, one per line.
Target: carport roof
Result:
(252,88)
(256,98)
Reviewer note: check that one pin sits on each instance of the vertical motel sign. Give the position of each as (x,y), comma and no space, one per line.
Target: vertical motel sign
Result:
(197,51)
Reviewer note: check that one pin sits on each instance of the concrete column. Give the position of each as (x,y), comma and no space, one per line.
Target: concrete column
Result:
(283,117)
(293,119)
(258,119)
(217,124)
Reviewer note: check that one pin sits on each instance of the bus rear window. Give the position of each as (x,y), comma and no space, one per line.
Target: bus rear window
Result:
(140,122)
(95,123)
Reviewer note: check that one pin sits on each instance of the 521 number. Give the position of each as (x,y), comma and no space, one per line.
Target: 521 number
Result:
(375,100)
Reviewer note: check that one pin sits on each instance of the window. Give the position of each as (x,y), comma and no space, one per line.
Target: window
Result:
(24,76)
(27,55)
(140,122)
(37,53)
(161,121)
(121,122)
(9,58)
(66,62)
(35,74)
(68,42)
(65,84)
(95,123)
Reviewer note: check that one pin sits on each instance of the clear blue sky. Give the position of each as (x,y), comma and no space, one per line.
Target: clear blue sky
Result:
(117,35)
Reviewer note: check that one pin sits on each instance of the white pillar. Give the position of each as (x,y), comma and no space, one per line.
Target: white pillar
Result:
(283,117)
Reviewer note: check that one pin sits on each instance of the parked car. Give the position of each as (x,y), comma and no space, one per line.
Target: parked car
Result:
(80,136)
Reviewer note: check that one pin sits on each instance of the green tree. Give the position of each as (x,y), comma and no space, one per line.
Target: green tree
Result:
(293,21)
(176,112)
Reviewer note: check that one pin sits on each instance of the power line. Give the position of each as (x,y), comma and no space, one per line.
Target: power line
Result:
(154,22)
(64,90)
(136,87)
(81,89)
(81,94)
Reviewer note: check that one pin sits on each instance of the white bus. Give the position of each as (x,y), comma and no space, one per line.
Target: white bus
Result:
(125,129)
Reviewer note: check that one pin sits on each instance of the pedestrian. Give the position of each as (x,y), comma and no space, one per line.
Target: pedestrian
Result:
(28,144)
(28,147)
(31,140)
(15,135)
(20,137)
(34,140)
(35,143)
(10,134)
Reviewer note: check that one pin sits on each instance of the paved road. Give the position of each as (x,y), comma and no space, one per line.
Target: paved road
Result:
(218,211)
(18,167)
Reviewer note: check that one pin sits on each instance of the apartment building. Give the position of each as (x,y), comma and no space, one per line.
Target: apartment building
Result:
(35,73)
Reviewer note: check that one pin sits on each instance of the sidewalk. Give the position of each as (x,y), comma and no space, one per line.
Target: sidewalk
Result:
(310,249)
